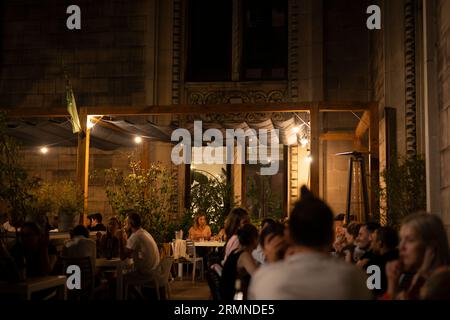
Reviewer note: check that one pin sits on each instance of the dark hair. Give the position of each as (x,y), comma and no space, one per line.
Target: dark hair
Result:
(353,229)
(311,222)
(80,230)
(115,220)
(268,221)
(233,221)
(388,236)
(371,226)
(339,217)
(247,234)
(276,229)
(134,219)
(98,216)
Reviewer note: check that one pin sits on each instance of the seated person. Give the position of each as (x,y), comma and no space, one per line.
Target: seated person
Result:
(200,230)
(112,244)
(96,222)
(240,264)
(33,254)
(80,246)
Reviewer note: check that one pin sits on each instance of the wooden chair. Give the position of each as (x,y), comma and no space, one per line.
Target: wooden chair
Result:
(87,277)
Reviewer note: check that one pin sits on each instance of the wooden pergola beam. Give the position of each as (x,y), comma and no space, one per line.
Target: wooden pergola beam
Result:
(337,136)
(363,125)
(305,106)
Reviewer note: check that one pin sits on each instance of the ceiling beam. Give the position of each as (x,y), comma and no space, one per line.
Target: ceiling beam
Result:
(324,106)
(363,125)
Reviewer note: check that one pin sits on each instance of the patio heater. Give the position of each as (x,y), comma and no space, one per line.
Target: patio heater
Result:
(357,193)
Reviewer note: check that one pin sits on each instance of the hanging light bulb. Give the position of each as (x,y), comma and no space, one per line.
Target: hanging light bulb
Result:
(304,141)
(44,150)
(296,130)
(137,139)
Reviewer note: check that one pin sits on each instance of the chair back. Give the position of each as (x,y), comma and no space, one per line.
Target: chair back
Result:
(164,269)
(87,276)
(190,248)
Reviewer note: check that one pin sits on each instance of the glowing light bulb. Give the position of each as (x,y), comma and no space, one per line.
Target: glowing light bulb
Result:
(44,150)
(296,130)
(304,141)
(308,158)
(137,139)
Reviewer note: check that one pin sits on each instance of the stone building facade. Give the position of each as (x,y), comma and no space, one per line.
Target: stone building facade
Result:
(135,53)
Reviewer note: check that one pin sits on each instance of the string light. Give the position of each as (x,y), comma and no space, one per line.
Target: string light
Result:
(44,150)
(137,139)
(308,158)
(296,129)
(304,141)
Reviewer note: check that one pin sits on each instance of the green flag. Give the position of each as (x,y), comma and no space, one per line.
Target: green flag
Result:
(72,109)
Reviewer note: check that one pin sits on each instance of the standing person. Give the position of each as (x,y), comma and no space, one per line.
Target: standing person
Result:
(308,271)
(423,249)
(200,230)
(237,218)
(143,249)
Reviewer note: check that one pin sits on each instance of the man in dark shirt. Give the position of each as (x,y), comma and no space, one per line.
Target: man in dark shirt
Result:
(365,241)
(96,223)
(385,247)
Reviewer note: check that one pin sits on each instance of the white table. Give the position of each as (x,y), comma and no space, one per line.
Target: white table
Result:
(26,288)
(120,266)
(209,243)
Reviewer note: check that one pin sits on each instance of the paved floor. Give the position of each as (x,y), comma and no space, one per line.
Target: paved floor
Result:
(186,290)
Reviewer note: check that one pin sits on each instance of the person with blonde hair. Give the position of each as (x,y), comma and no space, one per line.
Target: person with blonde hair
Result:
(423,249)
(200,230)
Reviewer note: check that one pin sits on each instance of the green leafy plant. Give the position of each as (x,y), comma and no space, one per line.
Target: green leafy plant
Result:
(404,190)
(148,191)
(211,196)
(262,201)
(16,186)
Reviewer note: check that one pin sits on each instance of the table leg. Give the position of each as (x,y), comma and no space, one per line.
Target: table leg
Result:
(180,271)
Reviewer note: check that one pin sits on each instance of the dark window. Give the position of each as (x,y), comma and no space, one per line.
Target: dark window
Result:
(264,40)
(209,43)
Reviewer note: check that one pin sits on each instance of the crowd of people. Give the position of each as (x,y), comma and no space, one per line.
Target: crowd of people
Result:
(330,257)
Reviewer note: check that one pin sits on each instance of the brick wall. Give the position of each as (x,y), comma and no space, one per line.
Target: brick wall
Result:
(106,59)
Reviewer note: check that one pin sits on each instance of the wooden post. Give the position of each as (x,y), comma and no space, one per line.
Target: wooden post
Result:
(315,137)
(83,159)
(145,154)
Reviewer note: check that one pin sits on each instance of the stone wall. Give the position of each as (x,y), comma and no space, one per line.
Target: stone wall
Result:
(110,61)
(443,29)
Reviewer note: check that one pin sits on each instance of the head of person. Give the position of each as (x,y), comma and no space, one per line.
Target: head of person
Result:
(339,224)
(267,222)
(385,240)
(248,236)
(30,236)
(91,222)
(97,218)
(311,223)
(200,221)
(423,235)
(275,229)
(79,231)
(235,219)
(365,235)
(113,225)
(351,232)
(134,221)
